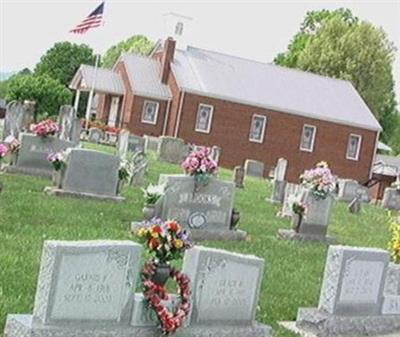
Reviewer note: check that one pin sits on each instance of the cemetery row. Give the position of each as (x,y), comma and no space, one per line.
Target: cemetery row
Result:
(87,288)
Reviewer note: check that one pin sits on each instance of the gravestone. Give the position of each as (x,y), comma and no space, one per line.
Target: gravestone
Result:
(206,211)
(18,118)
(32,157)
(122,145)
(314,225)
(89,174)
(136,143)
(238,176)
(216,153)
(83,286)
(139,168)
(76,131)
(151,143)
(292,193)
(172,150)
(254,168)
(349,189)
(391,299)
(279,183)
(352,295)
(66,122)
(96,135)
(225,290)
(391,199)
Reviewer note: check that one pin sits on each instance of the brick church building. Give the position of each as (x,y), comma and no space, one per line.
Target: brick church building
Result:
(252,110)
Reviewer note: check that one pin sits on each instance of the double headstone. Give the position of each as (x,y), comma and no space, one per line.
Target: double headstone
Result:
(89,174)
(352,296)
(18,118)
(279,182)
(254,168)
(205,210)
(86,288)
(172,150)
(391,199)
(32,157)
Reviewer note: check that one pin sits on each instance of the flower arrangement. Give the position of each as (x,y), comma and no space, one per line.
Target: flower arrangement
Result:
(13,144)
(58,159)
(200,165)
(320,180)
(45,128)
(125,169)
(394,244)
(3,150)
(165,241)
(155,294)
(153,193)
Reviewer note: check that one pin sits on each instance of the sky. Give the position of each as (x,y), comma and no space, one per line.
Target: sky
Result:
(252,29)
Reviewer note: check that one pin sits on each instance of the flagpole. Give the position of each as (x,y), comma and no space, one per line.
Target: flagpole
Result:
(89,103)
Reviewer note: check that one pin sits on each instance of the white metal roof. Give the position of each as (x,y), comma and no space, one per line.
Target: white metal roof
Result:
(144,76)
(269,86)
(106,81)
(387,165)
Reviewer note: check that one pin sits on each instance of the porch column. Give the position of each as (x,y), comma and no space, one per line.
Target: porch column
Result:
(76,104)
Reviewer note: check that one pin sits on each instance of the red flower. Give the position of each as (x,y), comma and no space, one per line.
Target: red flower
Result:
(154,243)
(174,226)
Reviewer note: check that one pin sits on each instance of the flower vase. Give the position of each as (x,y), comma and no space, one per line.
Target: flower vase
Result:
(234,219)
(149,212)
(296,222)
(120,186)
(57,178)
(201,180)
(161,274)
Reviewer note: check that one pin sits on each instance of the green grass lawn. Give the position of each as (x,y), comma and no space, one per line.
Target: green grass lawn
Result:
(293,270)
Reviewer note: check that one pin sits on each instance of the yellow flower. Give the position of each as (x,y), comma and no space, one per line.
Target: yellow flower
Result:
(178,243)
(141,232)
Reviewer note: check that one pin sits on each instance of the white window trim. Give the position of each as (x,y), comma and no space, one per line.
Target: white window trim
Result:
(313,138)
(263,129)
(357,157)
(210,120)
(156,115)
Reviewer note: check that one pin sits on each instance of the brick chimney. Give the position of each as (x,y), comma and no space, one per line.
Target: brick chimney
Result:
(167,58)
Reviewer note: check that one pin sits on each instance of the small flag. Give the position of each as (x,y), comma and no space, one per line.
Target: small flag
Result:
(93,20)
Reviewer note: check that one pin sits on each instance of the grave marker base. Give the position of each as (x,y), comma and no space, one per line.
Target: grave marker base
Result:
(291,326)
(21,326)
(290,234)
(12,169)
(327,325)
(209,235)
(51,190)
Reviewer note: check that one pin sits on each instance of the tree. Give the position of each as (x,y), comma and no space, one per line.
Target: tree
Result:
(309,27)
(338,45)
(63,60)
(137,44)
(47,92)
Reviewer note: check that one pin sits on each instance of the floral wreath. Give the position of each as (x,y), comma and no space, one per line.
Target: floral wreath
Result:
(155,294)
(165,241)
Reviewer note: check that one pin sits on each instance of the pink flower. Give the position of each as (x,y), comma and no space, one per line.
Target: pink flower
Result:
(3,150)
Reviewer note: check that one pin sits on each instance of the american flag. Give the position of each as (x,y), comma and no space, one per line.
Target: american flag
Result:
(93,20)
